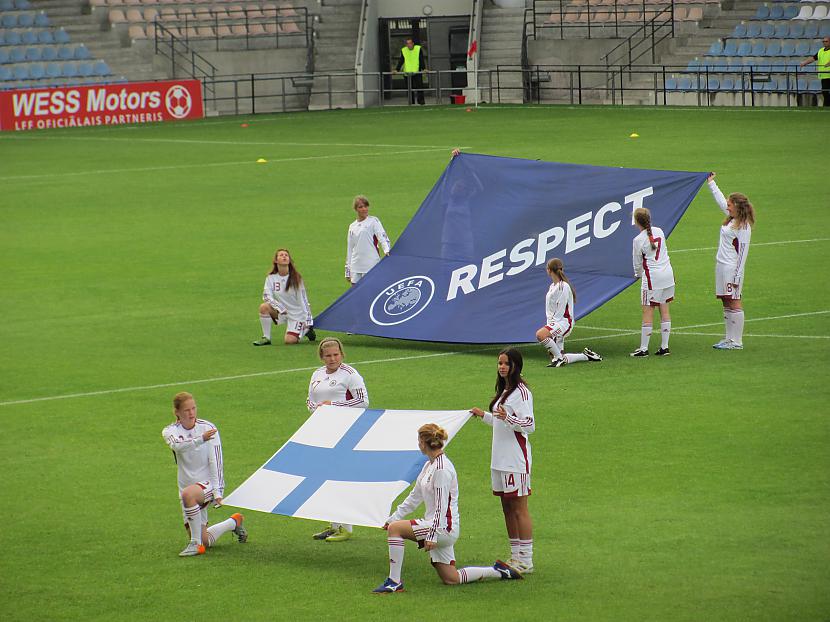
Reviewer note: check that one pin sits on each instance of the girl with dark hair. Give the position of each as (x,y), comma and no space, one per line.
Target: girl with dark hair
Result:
(285,302)
(651,263)
(559,307)
(511,417)
(437,532)
(735,233)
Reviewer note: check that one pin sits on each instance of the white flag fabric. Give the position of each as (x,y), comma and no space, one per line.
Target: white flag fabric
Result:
(344,465)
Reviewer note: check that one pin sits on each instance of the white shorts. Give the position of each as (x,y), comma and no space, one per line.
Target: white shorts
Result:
(724,288)
(657,297)
(444,552)
(510,484)
(294,326)
(208,490)
(560,329)
(356,276)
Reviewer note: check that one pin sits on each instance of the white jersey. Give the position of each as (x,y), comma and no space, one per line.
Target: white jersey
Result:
(292,302)
(511,447)
(362,245)
(345,387)
(734,242)
(197,460)
(559,305)
(652,264)
(437,488)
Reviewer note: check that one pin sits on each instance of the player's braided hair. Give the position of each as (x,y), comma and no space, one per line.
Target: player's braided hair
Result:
(643,218)
(746,213)
(506,386)
(294,276)
(432,435)
(557,267)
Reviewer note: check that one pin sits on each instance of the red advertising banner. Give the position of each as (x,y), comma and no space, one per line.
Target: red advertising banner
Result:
(99,104)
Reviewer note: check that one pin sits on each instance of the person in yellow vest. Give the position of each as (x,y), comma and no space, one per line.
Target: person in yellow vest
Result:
(412,63)
(822,60)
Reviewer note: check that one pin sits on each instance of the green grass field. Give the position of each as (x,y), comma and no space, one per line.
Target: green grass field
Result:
(691,488)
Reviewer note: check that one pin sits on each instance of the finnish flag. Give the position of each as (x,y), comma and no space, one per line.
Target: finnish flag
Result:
(344,465)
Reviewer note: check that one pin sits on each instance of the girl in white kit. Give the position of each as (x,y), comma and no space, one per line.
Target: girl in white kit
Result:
(285,302)
(365,235)
(651,263)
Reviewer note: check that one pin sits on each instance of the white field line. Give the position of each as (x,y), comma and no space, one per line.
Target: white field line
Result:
(720,334)
(752,245)
(187,141)
(371,362)
(211,164)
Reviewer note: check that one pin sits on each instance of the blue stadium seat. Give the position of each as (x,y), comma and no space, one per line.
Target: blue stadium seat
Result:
(767,30)
(21,72)
(9,20)
(69,70)
(803,48)
(61,36)
(735,64)
(45,37)
(787,48)
(759,48)
(5,74)
(815,86)
(28,37)
(13,38)
(716,49)
(102,69)
(731,48)
(49,52)
(82,53)
(25,20)
(745,48)
(776,12)
(66,52)
(824,29)
(4,56)
(37,71)
(2,37)
(727,84)
(53,70)
(84,69)
(671,84)
(684,84)
(6,5)
(694,65)
(782,31)
(720,64)
(790,11)
(32,55)
(762,12)
(740,31)
(796,30)
(713,84)
(811,30)
(753,31)
(23,4)
(17,55)
(773,47)
(42,20)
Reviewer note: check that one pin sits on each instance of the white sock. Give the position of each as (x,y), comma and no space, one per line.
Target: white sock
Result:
(265,320)
(526,552)
(575,358)
(514,548)
(645,334)
(194,521)
(549,344)
(726,319)
(665,332)
(731,325)
(396,551)
(343,525)
(219,529)
(738,326)
(477,573)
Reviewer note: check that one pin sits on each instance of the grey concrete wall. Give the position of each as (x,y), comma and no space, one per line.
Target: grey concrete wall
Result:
(258,61)
(415,8)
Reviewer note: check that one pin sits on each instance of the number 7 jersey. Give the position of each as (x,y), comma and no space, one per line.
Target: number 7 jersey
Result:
(652,264)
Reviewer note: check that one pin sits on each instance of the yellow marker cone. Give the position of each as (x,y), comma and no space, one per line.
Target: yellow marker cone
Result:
(261,161)
(634,135)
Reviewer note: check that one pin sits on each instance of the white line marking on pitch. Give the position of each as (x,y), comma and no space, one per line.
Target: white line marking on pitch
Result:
(370,362)
(754,244)
(683,332)
(211,164)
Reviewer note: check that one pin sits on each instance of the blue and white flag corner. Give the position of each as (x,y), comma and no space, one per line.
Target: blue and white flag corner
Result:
(345,465)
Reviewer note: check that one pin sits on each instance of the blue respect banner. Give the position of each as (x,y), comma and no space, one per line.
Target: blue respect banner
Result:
(470,266)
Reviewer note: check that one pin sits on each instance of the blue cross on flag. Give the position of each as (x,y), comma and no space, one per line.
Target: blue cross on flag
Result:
(345,465)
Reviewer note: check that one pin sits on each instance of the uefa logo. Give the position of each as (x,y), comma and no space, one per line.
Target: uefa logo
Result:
(178,101)
(402,300)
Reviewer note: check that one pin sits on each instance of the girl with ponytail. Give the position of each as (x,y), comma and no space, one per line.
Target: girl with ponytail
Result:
(559,306)
(652,265)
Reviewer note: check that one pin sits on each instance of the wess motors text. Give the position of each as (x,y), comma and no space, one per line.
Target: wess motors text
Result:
(575,234)
(69,102)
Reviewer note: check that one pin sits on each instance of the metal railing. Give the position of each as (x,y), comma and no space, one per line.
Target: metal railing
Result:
(564,84)
(642,41)
(183,59)
(599,17)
